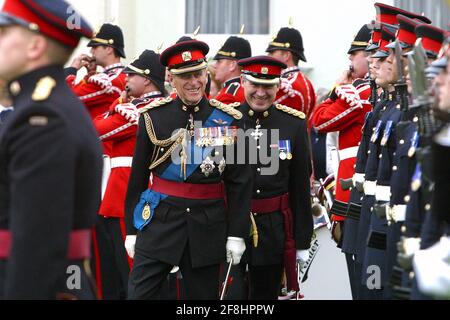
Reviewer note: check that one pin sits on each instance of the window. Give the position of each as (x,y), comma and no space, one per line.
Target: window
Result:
(438,11)
(227,16)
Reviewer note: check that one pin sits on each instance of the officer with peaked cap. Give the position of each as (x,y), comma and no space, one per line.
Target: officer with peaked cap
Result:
(180,218)
(281,206)
(50,156)
(296,91)
(344,112)
(226,69)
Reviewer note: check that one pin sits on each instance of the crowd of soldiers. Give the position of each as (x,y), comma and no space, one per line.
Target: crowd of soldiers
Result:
(179,178)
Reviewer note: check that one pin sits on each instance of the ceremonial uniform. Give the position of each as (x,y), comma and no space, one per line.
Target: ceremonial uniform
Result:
(231,92)
(99,90)
(344,112)
(281,205)
(398,164)
(296,91)
(119,128)
(235,48)
(51,171)
(182,218)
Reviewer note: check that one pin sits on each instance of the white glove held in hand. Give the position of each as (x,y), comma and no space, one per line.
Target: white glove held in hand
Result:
(235,249)
(130,242)
(302,256)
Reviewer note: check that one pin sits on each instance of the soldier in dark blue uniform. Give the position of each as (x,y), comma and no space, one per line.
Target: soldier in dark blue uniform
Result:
(281,207)
(180,175)
(49,155)
(371,168)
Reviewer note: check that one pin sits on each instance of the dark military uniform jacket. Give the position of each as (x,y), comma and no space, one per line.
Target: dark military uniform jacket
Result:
(292,176)
(202,225)
(50,160)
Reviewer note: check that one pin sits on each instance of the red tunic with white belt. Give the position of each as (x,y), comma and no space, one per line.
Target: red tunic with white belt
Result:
(296,91)
(122,135)
(344,112)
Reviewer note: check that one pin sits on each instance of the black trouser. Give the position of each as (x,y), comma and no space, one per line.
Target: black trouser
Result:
(148,275)
(354,282)
(237,288)
(265,281)
(114,267)
(76,282)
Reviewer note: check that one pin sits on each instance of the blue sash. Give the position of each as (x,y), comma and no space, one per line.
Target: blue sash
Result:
(172,172)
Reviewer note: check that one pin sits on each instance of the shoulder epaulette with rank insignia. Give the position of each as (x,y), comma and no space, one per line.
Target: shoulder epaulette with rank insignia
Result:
(233,88)
(291,111)
(227,108)
(155,103)
(43,89)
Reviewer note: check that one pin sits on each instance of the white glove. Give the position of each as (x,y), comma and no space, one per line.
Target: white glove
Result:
(130,242)
(302,256)
(128,111)
(235,249)
(432,267)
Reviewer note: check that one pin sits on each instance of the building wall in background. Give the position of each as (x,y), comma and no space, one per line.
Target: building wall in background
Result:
(327,26)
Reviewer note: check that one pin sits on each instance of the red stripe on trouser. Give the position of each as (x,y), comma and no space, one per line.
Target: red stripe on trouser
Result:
(98,273)
(124,235)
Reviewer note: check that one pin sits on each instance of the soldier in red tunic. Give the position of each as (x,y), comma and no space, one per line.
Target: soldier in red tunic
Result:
(227,70)
(145,82)
(296,91)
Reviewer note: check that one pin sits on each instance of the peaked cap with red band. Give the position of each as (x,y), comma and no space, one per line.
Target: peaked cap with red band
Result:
(55,19)
(185,56)
(432,38)
(387,35)
(388,14)
(406,32)
(262,69)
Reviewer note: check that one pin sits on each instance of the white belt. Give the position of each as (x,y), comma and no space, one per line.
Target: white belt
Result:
(121,162)
(397,213)
(358,177)
(369,188)
(105,173)
(347,153)
(382,193)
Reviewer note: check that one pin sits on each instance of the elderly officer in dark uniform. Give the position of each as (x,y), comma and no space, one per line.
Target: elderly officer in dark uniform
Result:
(49,155)
(227,70)
(281,207)
(181,218)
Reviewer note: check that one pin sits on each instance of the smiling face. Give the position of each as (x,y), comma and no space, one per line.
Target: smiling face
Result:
(259,96)
(190,86)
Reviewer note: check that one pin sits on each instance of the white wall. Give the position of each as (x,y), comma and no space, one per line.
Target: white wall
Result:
(327,27)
